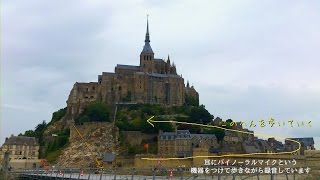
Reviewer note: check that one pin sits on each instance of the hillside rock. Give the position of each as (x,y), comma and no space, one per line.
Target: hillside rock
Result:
(101,137)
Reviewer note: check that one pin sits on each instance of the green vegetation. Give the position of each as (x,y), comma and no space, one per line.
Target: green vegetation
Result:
(56,116)
(94,112)
(127,98)
(134,117)
(139,122)
(53,156)
(219,133)
(129,118)
(191,101)
(54,147)
(199,115)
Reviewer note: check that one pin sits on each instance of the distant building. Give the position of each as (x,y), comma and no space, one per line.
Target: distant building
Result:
(153,81)
(232,137)
(307,143)
(21,147)
(182,142)
(276,146)
(247,136)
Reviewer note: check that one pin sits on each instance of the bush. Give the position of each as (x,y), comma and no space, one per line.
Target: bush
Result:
(53,156)
(96,111)
(56,116)
(191,101)
(199,115)
(147,128)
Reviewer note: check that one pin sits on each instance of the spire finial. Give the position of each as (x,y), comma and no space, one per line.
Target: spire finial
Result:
(168,57)
(147,48)
(147,33)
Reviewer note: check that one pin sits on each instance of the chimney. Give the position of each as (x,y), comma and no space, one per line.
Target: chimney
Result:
(6,139)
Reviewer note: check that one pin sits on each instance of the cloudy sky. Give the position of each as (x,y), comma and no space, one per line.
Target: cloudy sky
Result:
(249,60)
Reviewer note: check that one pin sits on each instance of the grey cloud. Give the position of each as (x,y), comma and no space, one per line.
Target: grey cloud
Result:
(247,59)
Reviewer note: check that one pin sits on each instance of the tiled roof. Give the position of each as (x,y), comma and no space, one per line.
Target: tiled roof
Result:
(21,140)
(122,66)
(147,48)
(185,134)
(156,59)
(307,141)
(159,75)
(207,136)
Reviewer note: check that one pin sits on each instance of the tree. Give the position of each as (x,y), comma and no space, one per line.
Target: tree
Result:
(29,133)
(82,119)
(199,115)
(96,111)
(191,101)
(147,128)
(229,124)
(56,116)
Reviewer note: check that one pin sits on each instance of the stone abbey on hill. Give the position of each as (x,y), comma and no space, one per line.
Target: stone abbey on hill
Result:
(154,81)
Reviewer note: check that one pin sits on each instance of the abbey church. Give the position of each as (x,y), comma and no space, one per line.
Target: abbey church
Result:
(153,81)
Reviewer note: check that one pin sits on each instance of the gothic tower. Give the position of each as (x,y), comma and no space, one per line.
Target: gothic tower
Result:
(147,55)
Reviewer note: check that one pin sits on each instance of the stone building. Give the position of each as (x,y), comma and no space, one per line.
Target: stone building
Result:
(307,143)
(182,143)
(21,147)
(153,81)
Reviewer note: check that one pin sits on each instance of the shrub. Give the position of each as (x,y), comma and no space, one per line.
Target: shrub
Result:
(96,111)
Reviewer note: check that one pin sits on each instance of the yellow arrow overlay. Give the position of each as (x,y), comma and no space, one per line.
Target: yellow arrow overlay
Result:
(150,121)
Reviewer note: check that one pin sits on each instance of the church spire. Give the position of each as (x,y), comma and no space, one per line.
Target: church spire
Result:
(147,48)
(147,33)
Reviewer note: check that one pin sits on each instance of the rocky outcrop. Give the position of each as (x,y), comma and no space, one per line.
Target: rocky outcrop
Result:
(56,127)
(101,137)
